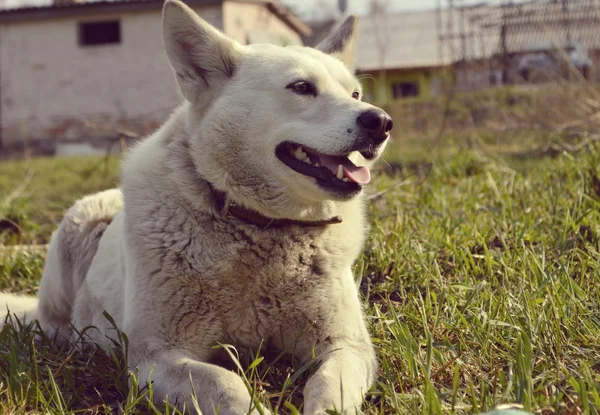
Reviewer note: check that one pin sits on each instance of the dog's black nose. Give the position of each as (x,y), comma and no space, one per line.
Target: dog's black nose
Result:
(377,123)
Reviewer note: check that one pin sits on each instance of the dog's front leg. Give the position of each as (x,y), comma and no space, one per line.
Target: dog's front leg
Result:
(176,376)
(348,363)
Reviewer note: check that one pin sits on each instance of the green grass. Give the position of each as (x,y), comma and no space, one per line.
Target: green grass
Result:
(34,194)
(481,282)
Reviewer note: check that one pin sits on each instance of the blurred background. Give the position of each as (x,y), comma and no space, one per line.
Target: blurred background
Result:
(480,276)
(86,77)
(513,81)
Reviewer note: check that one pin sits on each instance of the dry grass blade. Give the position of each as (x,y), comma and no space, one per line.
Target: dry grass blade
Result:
(18,191)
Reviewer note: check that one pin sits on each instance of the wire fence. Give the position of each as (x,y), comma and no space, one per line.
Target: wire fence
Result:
(521,42)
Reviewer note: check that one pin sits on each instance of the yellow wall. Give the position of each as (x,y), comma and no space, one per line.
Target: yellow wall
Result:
(380,88)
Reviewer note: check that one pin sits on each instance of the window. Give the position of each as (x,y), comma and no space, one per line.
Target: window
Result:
(100,33)
(405,89)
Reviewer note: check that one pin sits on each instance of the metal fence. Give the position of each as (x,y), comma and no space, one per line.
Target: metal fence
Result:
(523,41)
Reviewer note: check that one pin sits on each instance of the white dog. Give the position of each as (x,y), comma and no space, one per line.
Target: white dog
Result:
(237,222)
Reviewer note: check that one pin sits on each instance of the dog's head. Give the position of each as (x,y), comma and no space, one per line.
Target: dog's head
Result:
(280,129)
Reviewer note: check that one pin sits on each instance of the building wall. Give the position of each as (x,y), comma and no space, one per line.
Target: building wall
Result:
(246,21)
(52,88)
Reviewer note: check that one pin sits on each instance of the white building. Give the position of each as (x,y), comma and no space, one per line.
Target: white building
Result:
(84,71)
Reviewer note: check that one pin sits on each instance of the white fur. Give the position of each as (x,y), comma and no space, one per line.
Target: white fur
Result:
(22,306)
(177,275)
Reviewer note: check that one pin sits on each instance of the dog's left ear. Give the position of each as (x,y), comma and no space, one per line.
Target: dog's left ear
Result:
(342,42)
(202,57)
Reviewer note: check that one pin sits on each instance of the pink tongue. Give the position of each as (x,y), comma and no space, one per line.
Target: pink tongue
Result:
(360,175)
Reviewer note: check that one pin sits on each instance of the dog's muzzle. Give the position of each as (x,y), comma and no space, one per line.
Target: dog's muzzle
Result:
(336,172)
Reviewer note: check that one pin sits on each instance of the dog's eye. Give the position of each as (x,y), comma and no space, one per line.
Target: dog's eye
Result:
(355,95)
(303,88)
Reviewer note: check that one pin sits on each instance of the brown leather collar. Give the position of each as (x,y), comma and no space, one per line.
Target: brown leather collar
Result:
(232,210)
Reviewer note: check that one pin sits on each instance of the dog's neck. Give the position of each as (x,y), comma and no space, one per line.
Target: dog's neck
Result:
(230,209)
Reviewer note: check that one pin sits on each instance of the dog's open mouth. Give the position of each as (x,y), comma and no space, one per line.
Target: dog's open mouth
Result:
(337,173)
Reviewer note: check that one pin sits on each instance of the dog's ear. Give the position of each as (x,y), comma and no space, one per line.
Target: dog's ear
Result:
(342,42)
(202,57)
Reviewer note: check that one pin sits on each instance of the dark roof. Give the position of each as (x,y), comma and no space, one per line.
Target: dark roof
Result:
(71,8)
(289,17)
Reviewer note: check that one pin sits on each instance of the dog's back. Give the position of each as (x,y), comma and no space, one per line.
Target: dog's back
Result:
(70,253)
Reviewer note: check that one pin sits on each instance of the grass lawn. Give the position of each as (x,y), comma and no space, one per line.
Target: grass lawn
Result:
(481,281)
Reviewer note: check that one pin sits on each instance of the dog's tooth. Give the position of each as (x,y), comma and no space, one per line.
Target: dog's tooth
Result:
(299,154)
(340,172)
(307,160)
(345,179)
(317,165)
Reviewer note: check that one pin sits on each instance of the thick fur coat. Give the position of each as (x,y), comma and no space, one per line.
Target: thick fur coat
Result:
(179,274)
